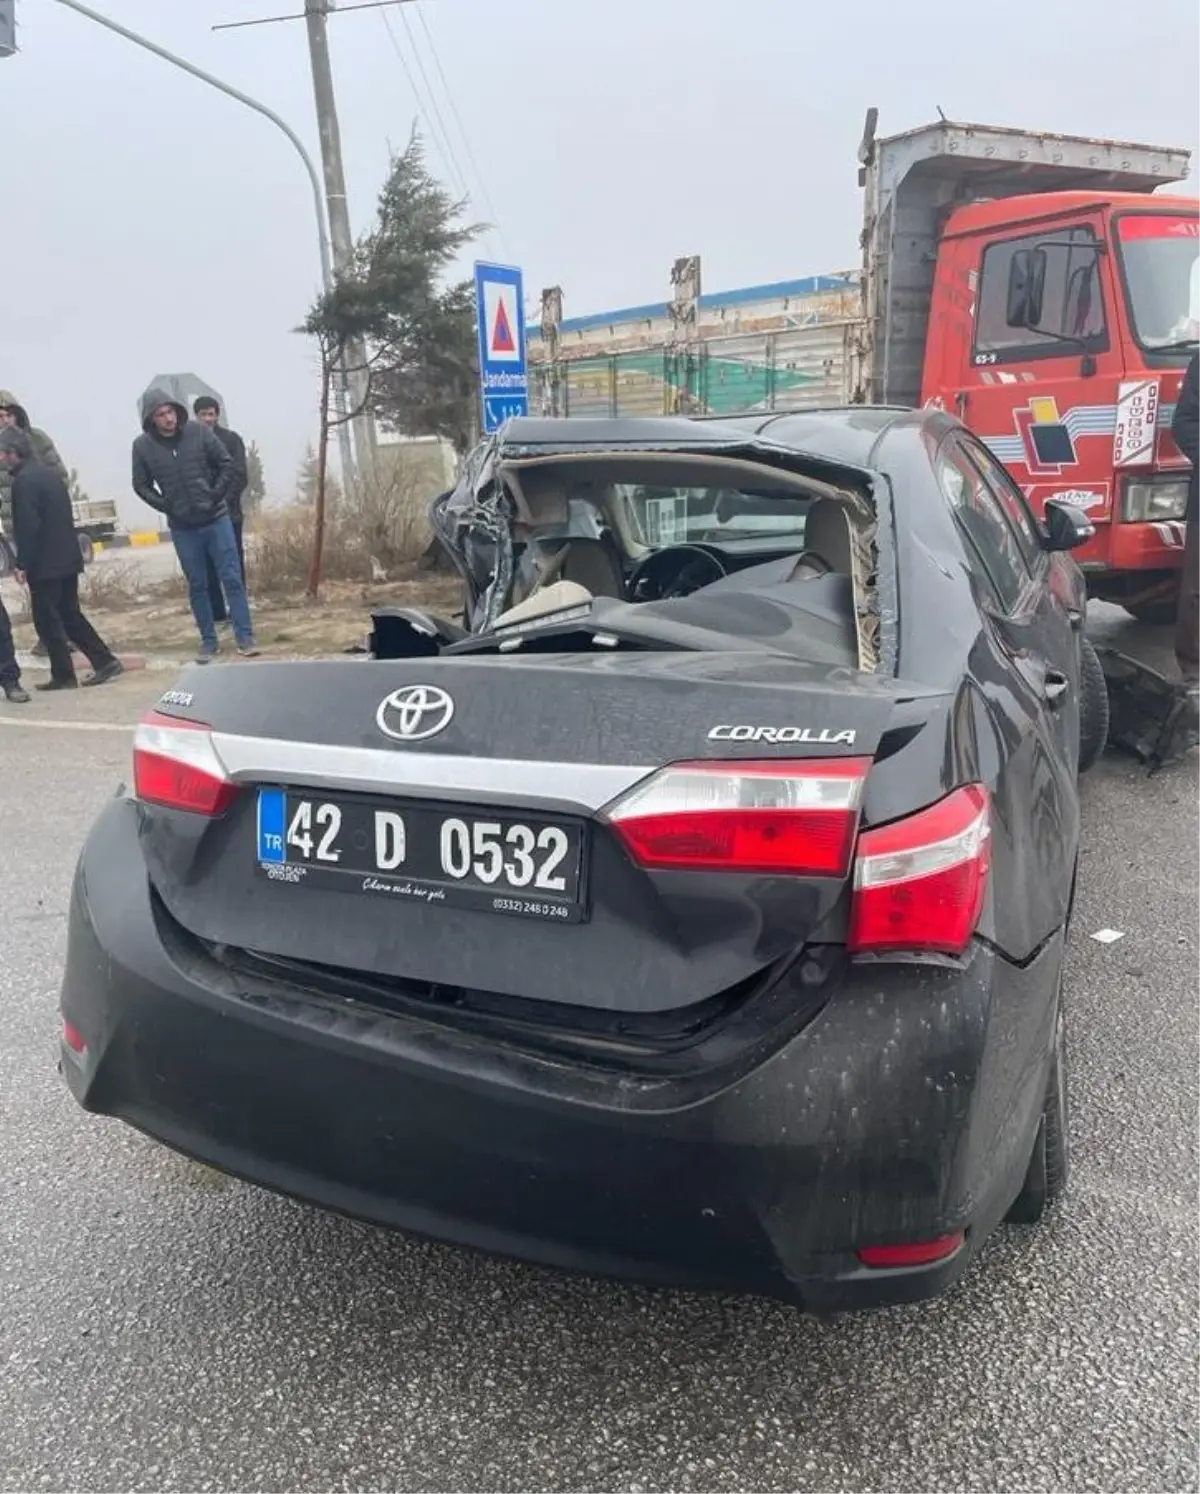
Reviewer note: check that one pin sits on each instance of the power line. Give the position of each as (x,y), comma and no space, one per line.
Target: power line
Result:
(479,176)
(271,20)
(443,145)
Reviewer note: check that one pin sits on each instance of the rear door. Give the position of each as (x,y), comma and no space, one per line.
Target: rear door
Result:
(1057,601)
(1033,653)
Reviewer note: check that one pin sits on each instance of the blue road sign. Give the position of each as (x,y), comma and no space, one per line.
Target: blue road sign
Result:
(503,372)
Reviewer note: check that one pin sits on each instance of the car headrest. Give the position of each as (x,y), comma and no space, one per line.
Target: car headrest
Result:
(827,535)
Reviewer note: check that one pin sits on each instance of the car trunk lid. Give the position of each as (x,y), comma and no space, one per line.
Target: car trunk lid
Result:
(539,752)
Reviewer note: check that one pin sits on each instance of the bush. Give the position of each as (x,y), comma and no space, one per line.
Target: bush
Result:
(377,530)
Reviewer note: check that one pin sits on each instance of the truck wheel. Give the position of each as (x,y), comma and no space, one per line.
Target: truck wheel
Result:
(1050,1165)
(1155,614)
(86,548)
(1093,707)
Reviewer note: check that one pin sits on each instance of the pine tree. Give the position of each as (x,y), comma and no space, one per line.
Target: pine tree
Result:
(306,478)
(256,484)
(306,481)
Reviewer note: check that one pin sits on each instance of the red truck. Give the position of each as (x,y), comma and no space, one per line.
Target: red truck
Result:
(1041,287)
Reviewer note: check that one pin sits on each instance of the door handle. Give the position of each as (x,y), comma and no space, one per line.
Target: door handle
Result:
(1055,685)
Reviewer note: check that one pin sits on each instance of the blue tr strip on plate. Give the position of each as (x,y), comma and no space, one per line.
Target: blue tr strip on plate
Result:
(272,814)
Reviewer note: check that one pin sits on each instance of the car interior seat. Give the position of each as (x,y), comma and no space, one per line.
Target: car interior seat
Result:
(547,599)
(827,541)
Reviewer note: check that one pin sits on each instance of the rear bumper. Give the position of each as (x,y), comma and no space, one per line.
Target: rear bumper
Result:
(905,1110)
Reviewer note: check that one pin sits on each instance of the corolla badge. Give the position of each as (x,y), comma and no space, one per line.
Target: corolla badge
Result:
(810,736)
(414,712)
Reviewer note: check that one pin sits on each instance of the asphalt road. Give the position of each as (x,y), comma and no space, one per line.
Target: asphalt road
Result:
(162,1327)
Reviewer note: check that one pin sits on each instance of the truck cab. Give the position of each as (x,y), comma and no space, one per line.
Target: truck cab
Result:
(1047,292)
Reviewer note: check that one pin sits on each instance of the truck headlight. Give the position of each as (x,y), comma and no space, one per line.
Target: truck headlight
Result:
(1148,499)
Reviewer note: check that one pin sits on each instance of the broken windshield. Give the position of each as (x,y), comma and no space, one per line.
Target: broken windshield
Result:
(1159,253)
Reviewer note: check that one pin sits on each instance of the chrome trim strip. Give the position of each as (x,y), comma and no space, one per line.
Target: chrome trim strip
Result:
(424,775)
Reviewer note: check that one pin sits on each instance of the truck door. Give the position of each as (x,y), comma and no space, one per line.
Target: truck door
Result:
(1043,400)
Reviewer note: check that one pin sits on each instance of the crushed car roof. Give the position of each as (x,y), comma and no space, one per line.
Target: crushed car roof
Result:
(843,435)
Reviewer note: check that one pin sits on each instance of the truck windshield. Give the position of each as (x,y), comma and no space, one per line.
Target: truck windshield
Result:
(1159,252)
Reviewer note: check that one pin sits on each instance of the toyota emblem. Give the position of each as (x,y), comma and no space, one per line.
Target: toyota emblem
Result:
(414,712)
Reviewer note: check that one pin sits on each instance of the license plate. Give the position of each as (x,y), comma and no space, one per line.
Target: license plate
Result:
(523,865)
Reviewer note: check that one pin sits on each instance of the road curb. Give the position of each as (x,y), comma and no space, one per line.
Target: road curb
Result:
(132,662)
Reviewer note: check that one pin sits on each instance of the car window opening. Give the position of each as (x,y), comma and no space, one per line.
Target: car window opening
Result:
(665,551)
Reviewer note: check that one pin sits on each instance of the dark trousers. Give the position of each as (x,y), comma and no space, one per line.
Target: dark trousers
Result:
(215,595)
(60,623)
(1187,621)
(10,673)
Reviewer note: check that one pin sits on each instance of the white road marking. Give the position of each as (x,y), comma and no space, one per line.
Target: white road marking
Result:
(64,725)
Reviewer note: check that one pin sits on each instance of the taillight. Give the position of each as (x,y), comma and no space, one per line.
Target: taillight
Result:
(915,1253)
(787,818)
(920,882)
(74,1039)
(176,765)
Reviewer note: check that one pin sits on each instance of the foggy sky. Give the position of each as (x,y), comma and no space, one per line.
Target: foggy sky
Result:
(153,225)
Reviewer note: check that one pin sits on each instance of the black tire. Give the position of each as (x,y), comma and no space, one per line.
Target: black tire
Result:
(1093,707)
(1050,1165)
(1155,614)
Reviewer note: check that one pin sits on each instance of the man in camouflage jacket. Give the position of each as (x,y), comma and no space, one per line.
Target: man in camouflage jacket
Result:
(12,413)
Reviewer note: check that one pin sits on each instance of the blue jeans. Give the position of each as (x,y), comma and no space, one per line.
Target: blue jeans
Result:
(195,548)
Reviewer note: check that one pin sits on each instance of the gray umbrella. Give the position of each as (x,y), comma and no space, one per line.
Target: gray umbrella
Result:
(186,388)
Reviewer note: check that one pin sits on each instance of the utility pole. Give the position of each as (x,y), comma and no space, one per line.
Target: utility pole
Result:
(315,12)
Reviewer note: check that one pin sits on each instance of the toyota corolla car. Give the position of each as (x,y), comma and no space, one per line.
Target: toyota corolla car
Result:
(693,909)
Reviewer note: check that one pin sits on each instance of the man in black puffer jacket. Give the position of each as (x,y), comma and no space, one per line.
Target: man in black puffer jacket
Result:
(183,471)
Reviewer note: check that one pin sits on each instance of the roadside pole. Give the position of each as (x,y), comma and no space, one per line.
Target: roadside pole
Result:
(315,12)
(346,453)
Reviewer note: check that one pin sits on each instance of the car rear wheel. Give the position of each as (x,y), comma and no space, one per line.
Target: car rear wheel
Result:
(1049,1167)
(1093,707)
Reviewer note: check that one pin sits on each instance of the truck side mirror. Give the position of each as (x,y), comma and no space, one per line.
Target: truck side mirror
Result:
(1066,527)
(1026,288)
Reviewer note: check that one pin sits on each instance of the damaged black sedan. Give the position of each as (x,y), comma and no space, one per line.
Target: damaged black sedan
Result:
(692,908)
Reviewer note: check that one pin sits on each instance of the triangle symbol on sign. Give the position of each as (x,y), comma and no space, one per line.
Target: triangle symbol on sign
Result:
(502,338)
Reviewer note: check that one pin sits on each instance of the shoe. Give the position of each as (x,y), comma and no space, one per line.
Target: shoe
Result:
(249,650)
(15,695)
(206,654)
(102,676)
(71,684)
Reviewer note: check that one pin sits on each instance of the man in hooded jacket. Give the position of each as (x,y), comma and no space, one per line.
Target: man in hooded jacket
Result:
(184,472)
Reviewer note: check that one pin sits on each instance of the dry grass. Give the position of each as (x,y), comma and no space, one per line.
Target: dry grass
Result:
(377,531)
(121,583)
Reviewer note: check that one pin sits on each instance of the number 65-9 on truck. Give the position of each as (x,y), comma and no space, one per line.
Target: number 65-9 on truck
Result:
(1040,287)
